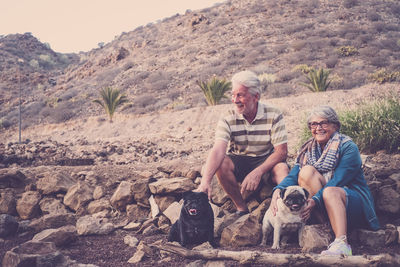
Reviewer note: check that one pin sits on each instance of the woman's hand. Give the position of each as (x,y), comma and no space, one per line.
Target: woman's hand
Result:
(275,196)
(305,215)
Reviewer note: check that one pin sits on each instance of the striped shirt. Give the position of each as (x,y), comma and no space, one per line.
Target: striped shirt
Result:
(253,139)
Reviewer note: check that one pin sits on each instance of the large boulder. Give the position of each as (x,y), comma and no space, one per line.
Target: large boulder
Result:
(245,231)
(388,200)
(52,206)
(11,179)
(8,203)
(78,196)
(141,192)
(89,225)
(99,205)
(51,221)
(122,196)
(8,225)
(172,185)
(33,253)
(28,205)
(314,237)
(53,183)
(60,236)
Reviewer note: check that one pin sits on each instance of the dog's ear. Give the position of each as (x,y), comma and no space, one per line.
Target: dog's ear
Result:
(282,194)
(306,193)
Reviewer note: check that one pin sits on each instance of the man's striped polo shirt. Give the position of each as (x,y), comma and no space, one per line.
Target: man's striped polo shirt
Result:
(253,139)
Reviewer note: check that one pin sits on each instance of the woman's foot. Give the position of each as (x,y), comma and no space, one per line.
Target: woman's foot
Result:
(338,248)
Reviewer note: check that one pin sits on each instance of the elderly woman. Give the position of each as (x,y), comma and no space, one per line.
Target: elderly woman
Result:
(329,167)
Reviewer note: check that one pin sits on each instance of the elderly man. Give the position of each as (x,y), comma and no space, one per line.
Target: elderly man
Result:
(255,136)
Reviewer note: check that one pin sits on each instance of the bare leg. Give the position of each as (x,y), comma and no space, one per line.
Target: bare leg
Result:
(279,172)
(312,181)
(228,182)
(335,204)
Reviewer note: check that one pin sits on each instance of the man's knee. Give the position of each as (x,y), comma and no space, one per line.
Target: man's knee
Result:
(226,166)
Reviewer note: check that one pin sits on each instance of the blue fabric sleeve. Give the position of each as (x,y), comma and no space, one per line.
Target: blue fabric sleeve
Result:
(291,179)
(348,167)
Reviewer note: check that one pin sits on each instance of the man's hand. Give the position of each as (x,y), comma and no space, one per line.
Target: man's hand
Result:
(275,197)
(204,187)
(251,181)
(305,215)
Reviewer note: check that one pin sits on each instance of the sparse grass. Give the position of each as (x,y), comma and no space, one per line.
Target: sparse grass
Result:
(372,126)
(110,100)
(214,90)
(317,80)
(383,76)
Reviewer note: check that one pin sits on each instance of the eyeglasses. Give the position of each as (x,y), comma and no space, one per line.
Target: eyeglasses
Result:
(314,124)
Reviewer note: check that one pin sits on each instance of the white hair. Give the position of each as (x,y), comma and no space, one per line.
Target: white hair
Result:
(248,79)
(325,112)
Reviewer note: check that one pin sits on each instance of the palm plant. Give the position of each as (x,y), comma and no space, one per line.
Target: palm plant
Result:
(110,100)
(318,80)
(214,90)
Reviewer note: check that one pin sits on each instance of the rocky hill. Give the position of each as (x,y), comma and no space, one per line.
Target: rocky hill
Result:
(157,65)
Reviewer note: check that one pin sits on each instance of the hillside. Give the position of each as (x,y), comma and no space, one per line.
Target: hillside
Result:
(157,65)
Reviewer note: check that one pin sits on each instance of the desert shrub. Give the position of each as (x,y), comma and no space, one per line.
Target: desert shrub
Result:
(333,41)
(110,100)
(383,76)
(298,45)
(286,75)
(34,63)
(374,126)
(373,16)
(378,26)
(266,79)
(4,123)
(349,3)
(278,90)
(145,100)
(304,68)
(62,114)
(221,21)
(317,80)
(331,61)
(390,44)
(346,51)
(337,82)
(379,61)
(214,90)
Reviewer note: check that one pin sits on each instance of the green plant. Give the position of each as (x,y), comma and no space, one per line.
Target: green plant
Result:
(372,126)
(383,76)
(346,51)
(317,80)
(110,100)
(214,90)
(305,69)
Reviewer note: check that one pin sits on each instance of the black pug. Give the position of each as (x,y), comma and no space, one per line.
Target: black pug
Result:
(196,221)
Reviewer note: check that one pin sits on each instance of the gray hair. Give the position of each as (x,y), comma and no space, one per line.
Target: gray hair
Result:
(325,112)
(248,79)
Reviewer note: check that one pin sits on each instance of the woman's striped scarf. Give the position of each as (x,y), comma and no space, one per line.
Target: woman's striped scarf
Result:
(324,161)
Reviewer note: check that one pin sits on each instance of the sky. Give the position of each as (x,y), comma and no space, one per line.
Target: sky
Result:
(80,25)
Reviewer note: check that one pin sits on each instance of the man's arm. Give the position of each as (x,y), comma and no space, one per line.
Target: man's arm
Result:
(214,161)
(250,183)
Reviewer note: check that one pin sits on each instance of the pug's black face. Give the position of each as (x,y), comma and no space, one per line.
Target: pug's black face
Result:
(195,203)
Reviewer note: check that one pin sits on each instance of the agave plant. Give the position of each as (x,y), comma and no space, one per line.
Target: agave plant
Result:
(214,90)
(110,100)
(318,80)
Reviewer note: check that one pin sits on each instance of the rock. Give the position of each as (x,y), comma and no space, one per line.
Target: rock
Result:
(132,226)
(371,238)
(78,195)
(388,200)
(8,225)
(99,205)
(10,178)
(52,206)
(173,212)
(259,212)
(396,178)
(141,192)
(176,185)
(131,241)
(122,196)
(315,237)
(28,205)
(8,203)
(137,213)
(217,211)
(219,196)
(88,225)
(391,234)
(51,221)
(164,202)
(142,251)
(398,234)
(53,183)
(33,253)
(60,236)
(151,230)
(245,231)
(153,207)
(98,192)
